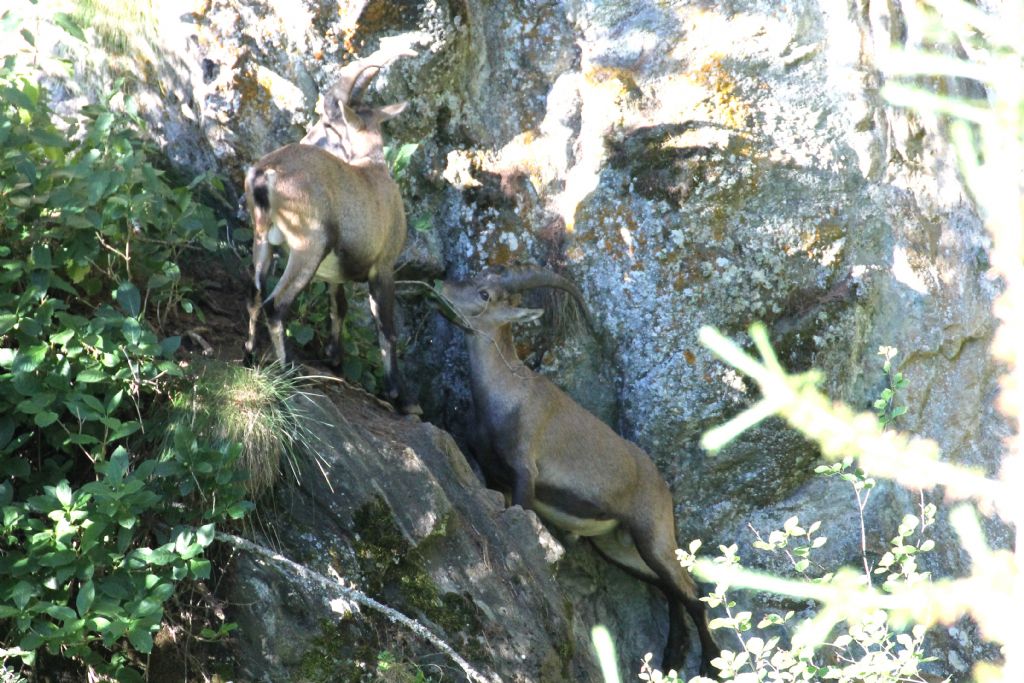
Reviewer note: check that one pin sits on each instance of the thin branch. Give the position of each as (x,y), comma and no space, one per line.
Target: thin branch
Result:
(359,597)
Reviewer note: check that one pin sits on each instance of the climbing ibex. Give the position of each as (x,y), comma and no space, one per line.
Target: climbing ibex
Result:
(331,202)
(556,458)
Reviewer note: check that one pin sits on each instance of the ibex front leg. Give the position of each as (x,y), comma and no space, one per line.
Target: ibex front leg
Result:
(382,306)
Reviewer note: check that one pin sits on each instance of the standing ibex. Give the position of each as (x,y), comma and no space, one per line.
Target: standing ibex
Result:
(556,458)
(331,202)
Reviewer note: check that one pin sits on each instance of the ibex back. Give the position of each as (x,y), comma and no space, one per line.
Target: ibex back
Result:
(332,203)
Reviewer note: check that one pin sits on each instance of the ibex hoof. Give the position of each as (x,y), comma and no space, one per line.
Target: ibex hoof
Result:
(334,357)
(406,407)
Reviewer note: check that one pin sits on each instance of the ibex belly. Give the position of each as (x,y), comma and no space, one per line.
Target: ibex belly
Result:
(572,523)
(330,268)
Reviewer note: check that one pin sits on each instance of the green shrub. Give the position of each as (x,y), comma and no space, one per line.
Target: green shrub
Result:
(94,535)
(310,327)
(258,408)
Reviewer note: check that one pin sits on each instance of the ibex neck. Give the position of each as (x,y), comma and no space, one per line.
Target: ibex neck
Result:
(366,161)
(493,360)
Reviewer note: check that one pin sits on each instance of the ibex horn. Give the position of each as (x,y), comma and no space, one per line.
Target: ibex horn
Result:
(357,75)
(518,278)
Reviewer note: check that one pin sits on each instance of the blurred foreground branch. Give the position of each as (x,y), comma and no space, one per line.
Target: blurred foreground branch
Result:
(988,136)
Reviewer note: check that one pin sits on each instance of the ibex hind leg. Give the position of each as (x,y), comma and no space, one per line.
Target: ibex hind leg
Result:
(657,547)
(261,258)
(339,308)
(301,267)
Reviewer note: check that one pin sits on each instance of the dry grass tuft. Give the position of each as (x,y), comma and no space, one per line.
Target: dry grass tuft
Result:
(257,408)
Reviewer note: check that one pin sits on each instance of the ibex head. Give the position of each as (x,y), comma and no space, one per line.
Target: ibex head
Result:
(484,302)
(349,129)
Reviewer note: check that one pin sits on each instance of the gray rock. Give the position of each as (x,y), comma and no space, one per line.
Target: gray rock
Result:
(391,505)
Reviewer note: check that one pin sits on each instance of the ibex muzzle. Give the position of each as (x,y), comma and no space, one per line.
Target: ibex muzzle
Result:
(332,203)
(554,457)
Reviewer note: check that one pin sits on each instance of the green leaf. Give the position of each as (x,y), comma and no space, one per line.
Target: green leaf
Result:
(27,359)
(124,430)
(41,257)
(8,321)
(128,297)
(68,23)
(32,641)
(205,534)
(353,368)
(114,402)
(200,568)
(22,592)
(62,612)
(63,493)
(141,638)
(169,346)
(59,558)
(132,330)
(422,223)
(149,606)
(91,375)
(302,334)
(45,418)
(62,337)
(161,593)
(240,509)
(16,97)
(6,430)
(97,185)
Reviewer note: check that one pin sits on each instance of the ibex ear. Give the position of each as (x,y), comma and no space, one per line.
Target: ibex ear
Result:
(353,118)
(389,111)
(518,315)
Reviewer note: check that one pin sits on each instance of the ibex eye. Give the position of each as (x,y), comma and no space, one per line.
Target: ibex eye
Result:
(485,295)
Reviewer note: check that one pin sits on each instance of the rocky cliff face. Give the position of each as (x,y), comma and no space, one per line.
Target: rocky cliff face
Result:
(392,506)
(687,163)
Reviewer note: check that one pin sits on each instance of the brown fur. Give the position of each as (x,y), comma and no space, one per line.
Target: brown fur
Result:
(334,206)
(553,456)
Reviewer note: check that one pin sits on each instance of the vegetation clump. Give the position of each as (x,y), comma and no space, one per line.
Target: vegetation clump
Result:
(257,408)
(95,532)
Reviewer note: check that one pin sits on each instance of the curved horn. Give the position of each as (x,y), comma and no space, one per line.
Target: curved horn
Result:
(356,76)
(518,278)
(362,81)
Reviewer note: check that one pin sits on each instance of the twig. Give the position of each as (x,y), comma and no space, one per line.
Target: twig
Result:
(358,596)
(197,338)
(466,324)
